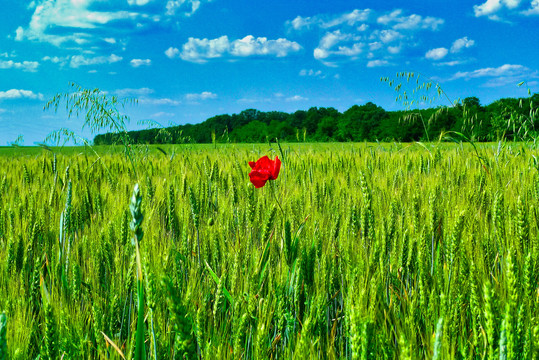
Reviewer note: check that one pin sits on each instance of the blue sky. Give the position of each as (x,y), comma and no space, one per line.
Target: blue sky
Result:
(187,60)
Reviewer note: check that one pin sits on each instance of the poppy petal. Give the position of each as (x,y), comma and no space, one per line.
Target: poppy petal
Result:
(276,168)
(264,163)
(258,178)
(252,164)
(259,174)
(258,183)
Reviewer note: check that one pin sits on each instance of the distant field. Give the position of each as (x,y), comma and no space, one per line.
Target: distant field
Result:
(371,251)
(329,146)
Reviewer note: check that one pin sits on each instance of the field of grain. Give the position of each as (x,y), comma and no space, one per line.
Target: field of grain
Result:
(356,251)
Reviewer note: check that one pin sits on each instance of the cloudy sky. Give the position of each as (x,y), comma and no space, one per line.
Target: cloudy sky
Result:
(187,60)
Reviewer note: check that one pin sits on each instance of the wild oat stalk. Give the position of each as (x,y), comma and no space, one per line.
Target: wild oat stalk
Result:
(101,113)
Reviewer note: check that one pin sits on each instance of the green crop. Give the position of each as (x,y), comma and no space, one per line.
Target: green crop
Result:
(356,251)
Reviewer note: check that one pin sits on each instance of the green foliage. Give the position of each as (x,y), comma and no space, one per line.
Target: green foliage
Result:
(136,213)
(49,348)
(3,337)
(361,123)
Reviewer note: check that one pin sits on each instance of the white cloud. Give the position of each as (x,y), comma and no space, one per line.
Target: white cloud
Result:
(347,36)
(81,60)
(328,21)
(322,53)
(275,98)
(62,61)
(140,62)
(376,63)
(251,100)
(442,52)
(411,22)
(19,34)
(138,2)
(82,21)
(506,80)
(511,4)
(501,71)
(30,66)
(377,45)
(394,49)
(296,98)
(328,45)
(312,73)
(205,95)
(363,27)
(172,52)
(496,9)
(505,75)
(491,8)
(351,18)
(187,7)
(128,92)
(162,114)
(158,101)
(534,8)
(144,96)
(331,39)
(262,46)
(52,17)
(202,50)
(450,63)
(461,43)
(20,94)
(386,36)
(300,23)
(436,54)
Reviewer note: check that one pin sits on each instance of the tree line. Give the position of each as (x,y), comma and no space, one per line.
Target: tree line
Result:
(507,118)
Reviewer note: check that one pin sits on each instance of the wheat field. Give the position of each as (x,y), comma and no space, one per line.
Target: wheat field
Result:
(356,251)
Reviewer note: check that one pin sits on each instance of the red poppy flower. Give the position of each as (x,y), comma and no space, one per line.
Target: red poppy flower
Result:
(263,170)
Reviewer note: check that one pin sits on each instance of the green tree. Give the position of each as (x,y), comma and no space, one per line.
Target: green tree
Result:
(254,131)
(360,123)
(327,127)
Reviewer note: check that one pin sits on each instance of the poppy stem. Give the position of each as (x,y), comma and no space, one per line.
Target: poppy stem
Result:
(275,197)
